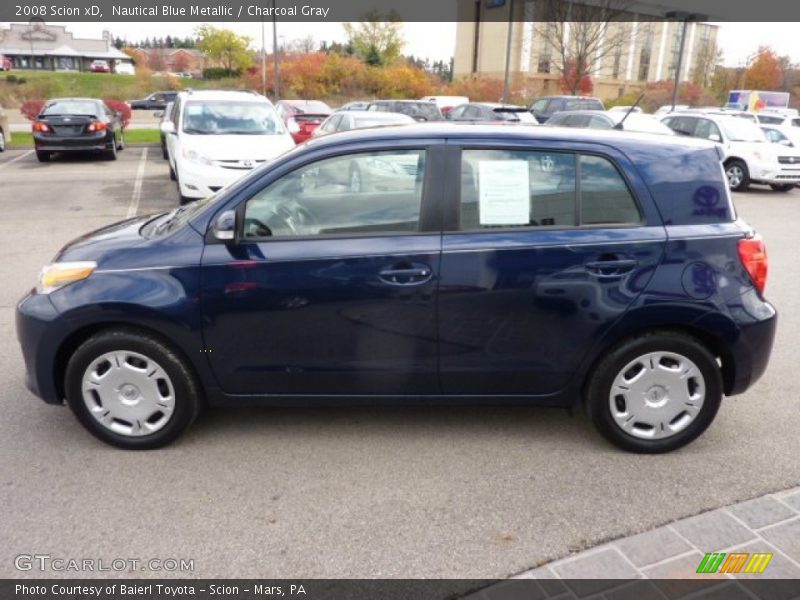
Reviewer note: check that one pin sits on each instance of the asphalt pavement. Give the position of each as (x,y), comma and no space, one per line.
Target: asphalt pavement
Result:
(352,492)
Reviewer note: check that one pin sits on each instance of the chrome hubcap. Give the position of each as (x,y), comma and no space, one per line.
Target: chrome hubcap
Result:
(657,395)
(128,393)
(735,176)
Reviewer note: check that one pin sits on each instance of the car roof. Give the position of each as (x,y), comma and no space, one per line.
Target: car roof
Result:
(73,99)
(503,133)
(499,105)
(593,113)
(237,95)
(373,114)
(403,101)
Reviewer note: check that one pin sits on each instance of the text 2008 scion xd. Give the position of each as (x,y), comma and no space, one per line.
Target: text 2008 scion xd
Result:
(508,265)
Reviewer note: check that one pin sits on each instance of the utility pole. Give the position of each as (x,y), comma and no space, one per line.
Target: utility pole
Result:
(275,53)
(263,59)
(507,74)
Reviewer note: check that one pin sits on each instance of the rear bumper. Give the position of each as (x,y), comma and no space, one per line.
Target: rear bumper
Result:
(749,342)
(56,143)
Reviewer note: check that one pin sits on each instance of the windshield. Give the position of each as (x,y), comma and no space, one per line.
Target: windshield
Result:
(71,107)
(230,117)
(740,130)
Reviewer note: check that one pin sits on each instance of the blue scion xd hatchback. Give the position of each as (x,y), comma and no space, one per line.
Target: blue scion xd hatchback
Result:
(425,263)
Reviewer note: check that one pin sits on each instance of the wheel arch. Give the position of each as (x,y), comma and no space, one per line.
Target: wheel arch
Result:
(73,341)
(711,342)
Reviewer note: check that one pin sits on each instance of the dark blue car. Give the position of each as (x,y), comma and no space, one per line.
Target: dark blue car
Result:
(469,263)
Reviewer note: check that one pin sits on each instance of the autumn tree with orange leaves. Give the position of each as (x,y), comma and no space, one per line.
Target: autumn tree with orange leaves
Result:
(765,72)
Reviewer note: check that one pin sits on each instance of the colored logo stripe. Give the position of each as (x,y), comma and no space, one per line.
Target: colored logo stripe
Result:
(714,562)
(758,562)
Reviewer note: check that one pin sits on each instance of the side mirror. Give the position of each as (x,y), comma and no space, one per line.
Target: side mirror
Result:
(167,127)
(714,137)
(224,227)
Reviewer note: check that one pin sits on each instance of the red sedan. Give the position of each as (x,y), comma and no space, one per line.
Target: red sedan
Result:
(302,117)
(100,66)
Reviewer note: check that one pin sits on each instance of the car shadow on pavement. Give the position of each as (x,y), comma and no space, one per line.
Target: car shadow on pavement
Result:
(393,422)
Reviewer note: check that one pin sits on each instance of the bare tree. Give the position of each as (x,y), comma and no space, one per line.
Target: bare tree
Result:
(708,57)
(582,34)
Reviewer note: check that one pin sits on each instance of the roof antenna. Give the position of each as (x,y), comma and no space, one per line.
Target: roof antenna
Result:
(630,110)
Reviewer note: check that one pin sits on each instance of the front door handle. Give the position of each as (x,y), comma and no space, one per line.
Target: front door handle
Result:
(611,268)
(406,274)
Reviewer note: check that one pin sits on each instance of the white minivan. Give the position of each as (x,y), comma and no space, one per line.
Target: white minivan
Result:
(215,137)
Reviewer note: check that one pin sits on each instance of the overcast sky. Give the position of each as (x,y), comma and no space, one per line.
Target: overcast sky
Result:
(437,40)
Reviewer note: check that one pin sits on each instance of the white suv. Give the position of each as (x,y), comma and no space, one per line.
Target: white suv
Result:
(215,137)
(749,157)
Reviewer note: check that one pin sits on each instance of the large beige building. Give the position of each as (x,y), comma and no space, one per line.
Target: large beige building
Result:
(649,53)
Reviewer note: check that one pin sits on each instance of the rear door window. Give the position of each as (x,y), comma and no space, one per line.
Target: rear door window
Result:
(517,188)
(503,189)
(605,197)
(705,128)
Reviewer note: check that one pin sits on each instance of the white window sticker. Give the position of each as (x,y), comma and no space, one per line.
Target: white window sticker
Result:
(504,192)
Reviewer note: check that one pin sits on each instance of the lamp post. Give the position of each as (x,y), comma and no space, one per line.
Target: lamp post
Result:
(507,74)
(275,53)
(686,17)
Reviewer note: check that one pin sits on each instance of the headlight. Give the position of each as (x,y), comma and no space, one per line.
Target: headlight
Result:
(57,275)
(196,157)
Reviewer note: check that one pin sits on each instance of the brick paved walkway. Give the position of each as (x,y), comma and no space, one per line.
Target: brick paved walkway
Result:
(769,524)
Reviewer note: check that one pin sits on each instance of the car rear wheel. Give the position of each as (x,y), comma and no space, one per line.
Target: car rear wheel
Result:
(172,175)
(655,393)
(781,187)
(121,144)
(738,175)
(2,141)
(43,156)
(111,153)
(131,390)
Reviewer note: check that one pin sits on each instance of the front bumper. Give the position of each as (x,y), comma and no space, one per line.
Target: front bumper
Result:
(198,180)
(40,331)
(775,173)
(57,143)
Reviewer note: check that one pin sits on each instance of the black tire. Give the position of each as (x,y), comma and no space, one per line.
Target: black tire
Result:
(744,180)
(111,153)
(121,144)
(165,154)
(781,187)
(186,388)
(599,384)
(43,156)
(172,175)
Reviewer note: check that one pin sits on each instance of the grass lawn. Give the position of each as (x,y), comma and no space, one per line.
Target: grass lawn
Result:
(40,85)
(132,136)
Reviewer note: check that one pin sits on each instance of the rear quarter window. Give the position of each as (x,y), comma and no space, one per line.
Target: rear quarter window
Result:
(605,197)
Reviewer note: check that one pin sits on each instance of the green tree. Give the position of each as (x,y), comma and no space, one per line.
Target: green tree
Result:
(225,47)
(377,39)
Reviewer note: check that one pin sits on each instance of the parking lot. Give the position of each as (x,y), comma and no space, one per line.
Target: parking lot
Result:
(352,492)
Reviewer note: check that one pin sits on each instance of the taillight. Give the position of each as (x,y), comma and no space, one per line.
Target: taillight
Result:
(753,255)
(40,127)
(97,126)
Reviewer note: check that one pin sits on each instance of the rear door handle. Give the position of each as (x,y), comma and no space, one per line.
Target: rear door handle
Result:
(611,268)
(406,274)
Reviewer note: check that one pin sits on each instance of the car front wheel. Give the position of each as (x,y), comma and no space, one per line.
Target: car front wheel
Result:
(738,175)
(131,390)
(655,393)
